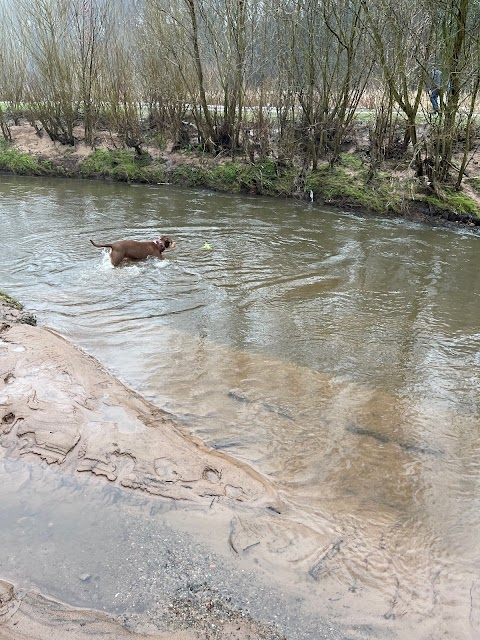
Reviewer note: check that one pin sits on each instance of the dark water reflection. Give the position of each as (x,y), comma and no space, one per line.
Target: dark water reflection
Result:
(337,355)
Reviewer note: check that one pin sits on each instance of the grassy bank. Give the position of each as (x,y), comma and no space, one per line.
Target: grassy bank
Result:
(347,185)
(12,311)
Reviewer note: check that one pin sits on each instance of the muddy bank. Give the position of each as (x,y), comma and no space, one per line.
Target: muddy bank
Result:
(59,408)
(12,312)
(394,192)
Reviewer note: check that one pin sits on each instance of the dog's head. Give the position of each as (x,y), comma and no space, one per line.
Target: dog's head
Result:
(165,242)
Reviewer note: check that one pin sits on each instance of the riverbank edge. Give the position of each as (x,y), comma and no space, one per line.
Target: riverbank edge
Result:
(346,186)
(26,613)
(12,311)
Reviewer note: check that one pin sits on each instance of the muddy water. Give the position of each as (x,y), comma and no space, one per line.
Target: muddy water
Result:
(336,355)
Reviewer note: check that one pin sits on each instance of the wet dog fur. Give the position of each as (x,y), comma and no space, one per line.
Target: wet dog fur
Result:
(136,249)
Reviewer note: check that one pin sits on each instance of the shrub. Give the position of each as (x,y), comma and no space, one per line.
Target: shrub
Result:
(189,176)
(119,164)
(225,177)
(19,163)
(335,186)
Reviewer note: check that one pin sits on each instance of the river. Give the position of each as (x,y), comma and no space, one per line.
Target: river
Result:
(336,354)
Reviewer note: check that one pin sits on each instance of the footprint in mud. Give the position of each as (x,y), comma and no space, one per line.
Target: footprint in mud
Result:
(236,493)
(165,470)
(211,474)
(124,464)
(7,423)
(113,467)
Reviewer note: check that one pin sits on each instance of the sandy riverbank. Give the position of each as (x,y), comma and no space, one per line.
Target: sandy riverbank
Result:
(26,615)
(59,406)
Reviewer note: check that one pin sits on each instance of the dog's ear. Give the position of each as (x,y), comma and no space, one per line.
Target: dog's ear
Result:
(166,241)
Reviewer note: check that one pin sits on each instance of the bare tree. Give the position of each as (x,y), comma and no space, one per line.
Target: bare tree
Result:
(457,57)
(168,78)
(327,70)
(402,38)
(91,34)
(51,91)
(12,66)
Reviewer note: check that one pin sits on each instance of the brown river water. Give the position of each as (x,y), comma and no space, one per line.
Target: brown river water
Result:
(337,355)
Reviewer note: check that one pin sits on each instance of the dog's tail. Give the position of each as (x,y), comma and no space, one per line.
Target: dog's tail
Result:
(108,246)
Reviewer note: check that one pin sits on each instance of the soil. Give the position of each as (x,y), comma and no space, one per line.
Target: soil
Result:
(26,140)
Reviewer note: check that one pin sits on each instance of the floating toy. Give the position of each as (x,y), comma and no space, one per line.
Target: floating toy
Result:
(207,246)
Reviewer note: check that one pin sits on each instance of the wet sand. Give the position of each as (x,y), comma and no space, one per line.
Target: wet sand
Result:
(60,408)
(28,615)
(31,616)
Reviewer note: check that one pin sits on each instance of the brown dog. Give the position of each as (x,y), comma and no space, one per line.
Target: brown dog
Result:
(136,250)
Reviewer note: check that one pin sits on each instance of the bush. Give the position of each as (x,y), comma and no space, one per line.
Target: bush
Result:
(19,163)
(225,177)
(268,178)
(453,201)
(335,186)
(153,174)
(189,176)
(120,164)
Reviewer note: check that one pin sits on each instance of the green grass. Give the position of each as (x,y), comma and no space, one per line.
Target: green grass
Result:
(351,161)
(26,164)
(268,178)
(189,176)
(453,201)
(337,187)
(225,177)
(462,203)
(119,165)
(265,178)
(123,165)
(235,177)
(20,163)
